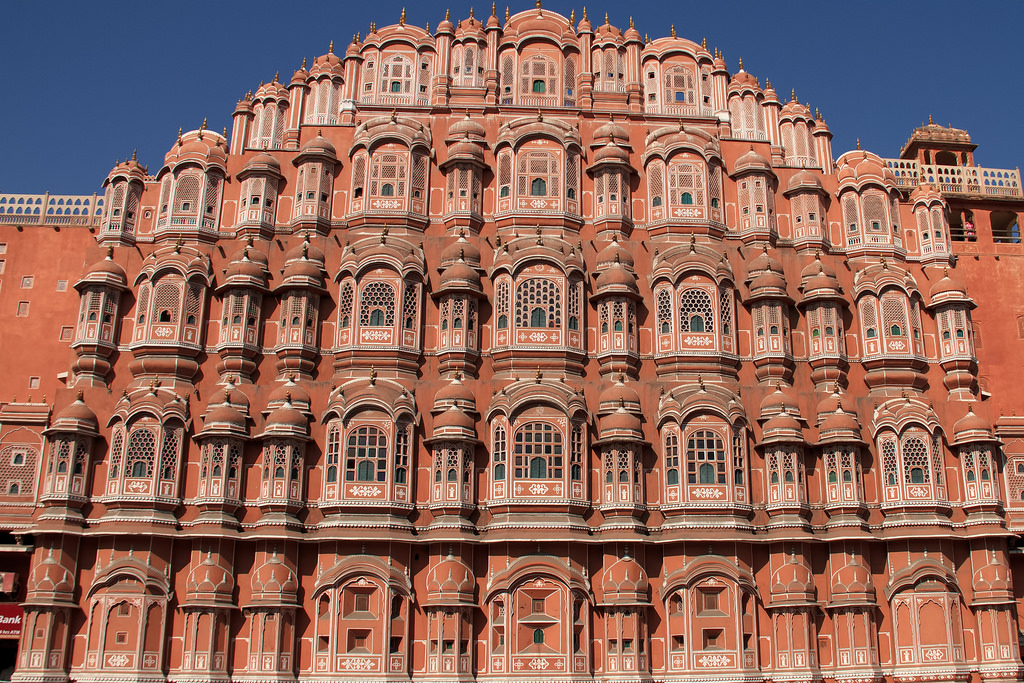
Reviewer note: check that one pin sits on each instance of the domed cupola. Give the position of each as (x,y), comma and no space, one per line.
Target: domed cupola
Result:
(273,584)
(616,295)
(191,186)
(50,583)
(209,584)
(124,186)
(450,583)
(792,584)
(613,173)
(852,585)
(625,583)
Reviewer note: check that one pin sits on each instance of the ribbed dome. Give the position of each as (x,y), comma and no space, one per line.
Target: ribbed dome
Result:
(615,278)
(455,418)
(106,271)
(620,422)
(618,394)
(224,416)
(460,249)
(459,273)
(467,126)
(286,420)
(209,581)
(48,576)
(263,162)
(752,161)
(972,428)
(274,580)
(804,180)
(611,131)
(77,416)
(450,582)
(614,253)
(853,584)
(247,267)
(793,582)
(320,146)
(947,288)
(289,392)
(625,582)
(777,401)
(455,392)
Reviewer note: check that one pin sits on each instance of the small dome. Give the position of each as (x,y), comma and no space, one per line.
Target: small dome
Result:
(971,428)
(782,428)
(77,416)
(302,270)
(838,426)
(625,582)
(209,581)
(263,162)
(611,132)
(777,401)
(618,394)
(247,267)
(992,582)
(456,393)
(804,180)
(752,161)
(106,271)
(768,282)
(460,249)
(947,288)
(50,577)
(742,80)
(926,193)
(273,581)
(611,153)
(793,582)
(225,417)
(467,126)
(451,582)
(286,420)
(320,146)
(614,253)
(289,392)
(763,262)
(460,274)
(454,418)
(305,251)
(621,422)
(853,583)
(616,278)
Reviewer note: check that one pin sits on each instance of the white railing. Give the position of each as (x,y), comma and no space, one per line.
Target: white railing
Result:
(970,180)
(51,209)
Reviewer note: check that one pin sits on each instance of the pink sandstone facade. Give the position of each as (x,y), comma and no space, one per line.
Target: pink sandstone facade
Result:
(523,349)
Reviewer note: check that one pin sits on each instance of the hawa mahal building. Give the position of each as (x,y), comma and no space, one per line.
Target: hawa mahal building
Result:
(520,349)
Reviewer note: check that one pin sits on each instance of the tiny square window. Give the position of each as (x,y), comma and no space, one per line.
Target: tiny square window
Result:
(22,309)
(537,606)
(810,216)
(186,206)
(362,602)
(121,637)
(66,333)
(28,281)
(62,285)
(3,247)
(33,382)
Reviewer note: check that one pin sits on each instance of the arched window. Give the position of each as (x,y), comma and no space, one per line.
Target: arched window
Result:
(696,311)
(705,458)
(387,190)
(537,448)
(671,458)
(538,303)
(538,187)
(377,305)
(366,455)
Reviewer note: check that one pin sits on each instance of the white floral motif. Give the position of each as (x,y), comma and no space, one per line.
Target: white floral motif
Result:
(699,341)
(358,664)
(365,491)
(715,660)
(117,660)
(934,654)
(706,492)
(538,489)
(539,664)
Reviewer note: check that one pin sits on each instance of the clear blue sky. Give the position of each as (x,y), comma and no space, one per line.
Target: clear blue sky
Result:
(86,82)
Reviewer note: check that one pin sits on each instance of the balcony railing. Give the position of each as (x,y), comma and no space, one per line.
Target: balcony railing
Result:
(968,180)
(51,209)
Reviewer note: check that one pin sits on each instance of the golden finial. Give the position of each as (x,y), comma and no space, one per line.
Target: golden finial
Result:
(373,376)
(427,28)
(330,48)
(741,63)
(224,131)
(359,37)
(401,19)
(179,136)
(672,30)
(572,18)
(394,115)
(930,122)
(354,39)
(277,76)
(110,252)
(606,18)
(447,15)
(792,95)
(817,114)
(494,9)
(538,4)
(303,64)
(885,264)
(538,377)
(471,14)
(700,381)
(540,114)
(506,14)
(704,43)
(584,13)
(858,143)
(631,23)
(693,243)
(647,40)
(767,84)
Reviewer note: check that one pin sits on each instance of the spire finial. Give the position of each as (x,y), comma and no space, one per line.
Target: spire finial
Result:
(506,14)
(277,76)
(792,95)
(930,122)
(330,48)
(538,4)
(447,15)
(373,376)
(303,63)
(179,136)
(572,18)
(394,115)
(472,14)
(741,63)
(704,43)
(631,23)
(858,143)
(494,9)
(584,13)
(606,19)
(540,115)
(401,19)
(539,375)
(135,154)
(672,30)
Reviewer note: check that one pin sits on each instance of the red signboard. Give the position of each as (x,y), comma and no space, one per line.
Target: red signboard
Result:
(11,618)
